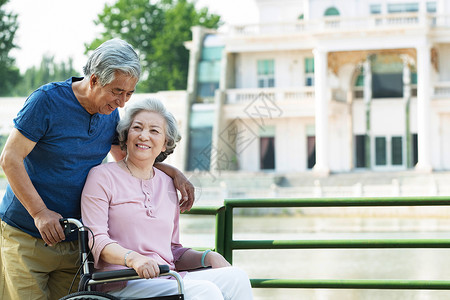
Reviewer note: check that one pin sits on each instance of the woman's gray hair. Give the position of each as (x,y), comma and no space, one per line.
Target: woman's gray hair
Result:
(153,105)
(111,56)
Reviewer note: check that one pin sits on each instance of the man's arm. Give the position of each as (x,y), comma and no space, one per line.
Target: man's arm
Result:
(47,222)
(117,153)
(181,183)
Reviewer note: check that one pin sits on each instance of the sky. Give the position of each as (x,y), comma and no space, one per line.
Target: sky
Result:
(60,28)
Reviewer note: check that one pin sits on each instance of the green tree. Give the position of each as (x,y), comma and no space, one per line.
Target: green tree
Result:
(157,30)
(9,73)
(48,71)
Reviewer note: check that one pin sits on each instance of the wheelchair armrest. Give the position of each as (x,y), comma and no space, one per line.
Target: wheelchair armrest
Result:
(124,273)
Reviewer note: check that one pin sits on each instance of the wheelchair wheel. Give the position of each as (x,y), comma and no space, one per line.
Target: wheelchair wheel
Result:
(89,295)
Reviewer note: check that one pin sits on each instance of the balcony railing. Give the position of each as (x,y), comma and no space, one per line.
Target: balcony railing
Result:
(235,96)
(442,89)
(339,23)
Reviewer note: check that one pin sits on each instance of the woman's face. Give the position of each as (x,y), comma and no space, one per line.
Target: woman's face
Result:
(146,136)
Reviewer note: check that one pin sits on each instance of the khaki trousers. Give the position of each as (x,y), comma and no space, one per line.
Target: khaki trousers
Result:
(31,271)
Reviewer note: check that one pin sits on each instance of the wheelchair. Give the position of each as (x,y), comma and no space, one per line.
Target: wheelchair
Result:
(89,279)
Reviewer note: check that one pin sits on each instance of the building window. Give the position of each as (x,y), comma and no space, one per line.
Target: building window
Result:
(266,73)
(331,11)
(358,90)
(267,153)
(389,151)
(199,149)
(387,85)
(387,76)
(359,82)
(415,151)
(208,73)
(360,151)
(396,8)
(431,7)
(397,150)
(212,53)
(206,91)
(309,71)
(375,9)
(380,151)
(311,151)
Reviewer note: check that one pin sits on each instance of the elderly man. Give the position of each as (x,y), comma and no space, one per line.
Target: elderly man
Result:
(63,130)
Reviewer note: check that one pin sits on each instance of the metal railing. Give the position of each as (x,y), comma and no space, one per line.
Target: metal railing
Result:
(225,244)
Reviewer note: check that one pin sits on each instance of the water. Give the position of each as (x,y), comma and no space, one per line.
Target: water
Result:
(421,264)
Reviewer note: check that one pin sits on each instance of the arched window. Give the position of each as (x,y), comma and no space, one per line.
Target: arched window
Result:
(332,11)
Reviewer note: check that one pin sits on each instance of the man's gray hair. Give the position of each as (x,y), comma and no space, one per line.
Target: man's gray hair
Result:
(111,56)
(153,105)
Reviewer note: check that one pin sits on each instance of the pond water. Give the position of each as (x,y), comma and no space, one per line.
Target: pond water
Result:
(423,264)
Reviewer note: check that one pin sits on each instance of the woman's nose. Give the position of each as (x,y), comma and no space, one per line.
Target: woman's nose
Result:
(143,135)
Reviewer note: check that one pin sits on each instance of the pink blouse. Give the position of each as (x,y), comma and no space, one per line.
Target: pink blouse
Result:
(140,215)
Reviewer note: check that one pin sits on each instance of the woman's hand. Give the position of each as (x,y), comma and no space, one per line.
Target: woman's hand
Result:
(216,260)
(145,267)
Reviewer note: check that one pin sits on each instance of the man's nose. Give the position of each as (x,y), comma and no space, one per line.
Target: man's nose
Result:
(121,99)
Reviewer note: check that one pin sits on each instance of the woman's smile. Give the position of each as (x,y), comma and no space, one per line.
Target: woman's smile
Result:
(146,136)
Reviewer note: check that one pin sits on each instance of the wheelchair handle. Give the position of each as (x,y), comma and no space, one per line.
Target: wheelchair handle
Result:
(163,269)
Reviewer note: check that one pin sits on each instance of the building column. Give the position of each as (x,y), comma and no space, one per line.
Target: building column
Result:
(441,8)
(195,52)
(367,68)
(407,100)
(423,107)
(350,140)
(321,111)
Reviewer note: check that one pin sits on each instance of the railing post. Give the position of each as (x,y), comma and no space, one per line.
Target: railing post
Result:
(228,234)
(220,230)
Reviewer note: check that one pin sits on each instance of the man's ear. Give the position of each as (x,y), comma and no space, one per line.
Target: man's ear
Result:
(93,80)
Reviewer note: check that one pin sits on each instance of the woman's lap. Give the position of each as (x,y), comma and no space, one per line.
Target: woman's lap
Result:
(210,284)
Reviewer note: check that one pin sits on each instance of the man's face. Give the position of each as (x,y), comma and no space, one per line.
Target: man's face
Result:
(113,95)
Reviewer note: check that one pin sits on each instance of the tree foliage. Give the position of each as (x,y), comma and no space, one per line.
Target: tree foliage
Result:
(9,73)
(48,71)
(157,30)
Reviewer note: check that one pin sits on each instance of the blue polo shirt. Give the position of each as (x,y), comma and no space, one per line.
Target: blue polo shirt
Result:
(69,142)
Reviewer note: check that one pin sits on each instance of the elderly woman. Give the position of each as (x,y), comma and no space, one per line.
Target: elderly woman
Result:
(133,211)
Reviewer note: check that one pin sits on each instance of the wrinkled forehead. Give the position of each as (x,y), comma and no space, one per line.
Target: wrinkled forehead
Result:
(149,118)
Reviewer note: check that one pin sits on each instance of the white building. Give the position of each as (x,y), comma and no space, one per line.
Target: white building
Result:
(316,85)
(323,85)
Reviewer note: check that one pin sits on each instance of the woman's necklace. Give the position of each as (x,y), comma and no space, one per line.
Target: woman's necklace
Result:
(126,165)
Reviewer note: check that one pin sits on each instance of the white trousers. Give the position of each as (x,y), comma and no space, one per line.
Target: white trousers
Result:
(228,283)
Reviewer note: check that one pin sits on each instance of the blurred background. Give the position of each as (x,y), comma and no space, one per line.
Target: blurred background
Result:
(280,99)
